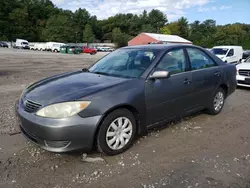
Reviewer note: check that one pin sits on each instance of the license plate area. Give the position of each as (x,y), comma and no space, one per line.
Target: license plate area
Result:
(247,80)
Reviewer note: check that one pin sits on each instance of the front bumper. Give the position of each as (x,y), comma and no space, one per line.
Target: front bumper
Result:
(58,135)
(26,47)
(241,81)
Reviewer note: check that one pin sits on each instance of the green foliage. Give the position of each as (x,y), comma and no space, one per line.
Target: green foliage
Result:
(174,28)
(80,18)
(147,28)
(165,30)
(119,38)
(41,20)
(157,20)
(183,27)
(88,35)
(59,28)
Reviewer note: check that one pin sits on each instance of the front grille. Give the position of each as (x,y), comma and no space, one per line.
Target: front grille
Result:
(244,73)
(56,144)
(31,106)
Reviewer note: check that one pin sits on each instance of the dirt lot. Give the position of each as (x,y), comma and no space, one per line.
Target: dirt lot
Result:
(199,151)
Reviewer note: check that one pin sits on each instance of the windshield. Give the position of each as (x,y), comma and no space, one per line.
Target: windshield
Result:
(220,51)
(129,63)
(24,43)
(247,60)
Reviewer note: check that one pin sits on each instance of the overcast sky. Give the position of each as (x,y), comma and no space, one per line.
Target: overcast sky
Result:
(223,11)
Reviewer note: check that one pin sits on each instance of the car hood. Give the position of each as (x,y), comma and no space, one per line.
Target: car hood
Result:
(243,66)
(220,56)
(69,87)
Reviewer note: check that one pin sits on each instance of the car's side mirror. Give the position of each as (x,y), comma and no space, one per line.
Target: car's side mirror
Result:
(160,75)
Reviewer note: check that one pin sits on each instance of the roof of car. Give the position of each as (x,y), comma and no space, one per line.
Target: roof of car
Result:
(157,46)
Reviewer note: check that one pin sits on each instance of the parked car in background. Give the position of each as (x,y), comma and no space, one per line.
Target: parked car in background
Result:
(38,46)
(87,50)
(42,47)
(105,49)
(229,54)
(246,54)
(56,47)
(4,44)
(99,49)
(35,47)
(21,44)
(32,46)
(243,73)
(123,95)
(53,46)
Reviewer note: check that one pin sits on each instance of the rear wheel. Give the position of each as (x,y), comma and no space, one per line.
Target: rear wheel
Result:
(116,133)
(217,102)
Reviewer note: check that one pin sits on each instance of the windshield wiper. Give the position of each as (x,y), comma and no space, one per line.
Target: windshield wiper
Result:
(85,70)
(102,73)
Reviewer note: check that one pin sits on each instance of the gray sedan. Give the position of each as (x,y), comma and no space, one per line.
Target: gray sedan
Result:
(125,93)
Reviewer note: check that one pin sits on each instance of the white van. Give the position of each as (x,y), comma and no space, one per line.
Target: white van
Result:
(56,47)
(229,54)
(22,44)
(41,47)
(53,46)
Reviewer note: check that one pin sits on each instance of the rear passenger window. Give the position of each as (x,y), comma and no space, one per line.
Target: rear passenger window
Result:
(174,62)
(199,59)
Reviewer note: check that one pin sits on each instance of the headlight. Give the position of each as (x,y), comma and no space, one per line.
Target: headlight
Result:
(63,110)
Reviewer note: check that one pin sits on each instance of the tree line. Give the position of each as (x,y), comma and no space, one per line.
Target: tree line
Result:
(41,20)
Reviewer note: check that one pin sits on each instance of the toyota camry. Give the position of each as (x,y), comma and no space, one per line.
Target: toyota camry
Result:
(123,94)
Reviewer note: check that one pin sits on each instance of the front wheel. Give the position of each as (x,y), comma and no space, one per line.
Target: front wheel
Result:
(116,133)
(217,102)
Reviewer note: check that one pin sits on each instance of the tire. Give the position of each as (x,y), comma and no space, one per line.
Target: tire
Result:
(111,145)
(216,107)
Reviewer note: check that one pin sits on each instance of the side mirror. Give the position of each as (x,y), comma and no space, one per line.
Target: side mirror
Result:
(160,75)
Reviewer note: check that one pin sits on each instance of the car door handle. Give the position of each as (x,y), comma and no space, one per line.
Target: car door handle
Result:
(187,81)
(217,73)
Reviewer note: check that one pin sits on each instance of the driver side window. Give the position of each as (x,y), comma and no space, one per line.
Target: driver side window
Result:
(174,62)
(230,53)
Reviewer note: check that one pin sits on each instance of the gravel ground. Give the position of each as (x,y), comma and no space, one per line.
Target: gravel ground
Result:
(198,151)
